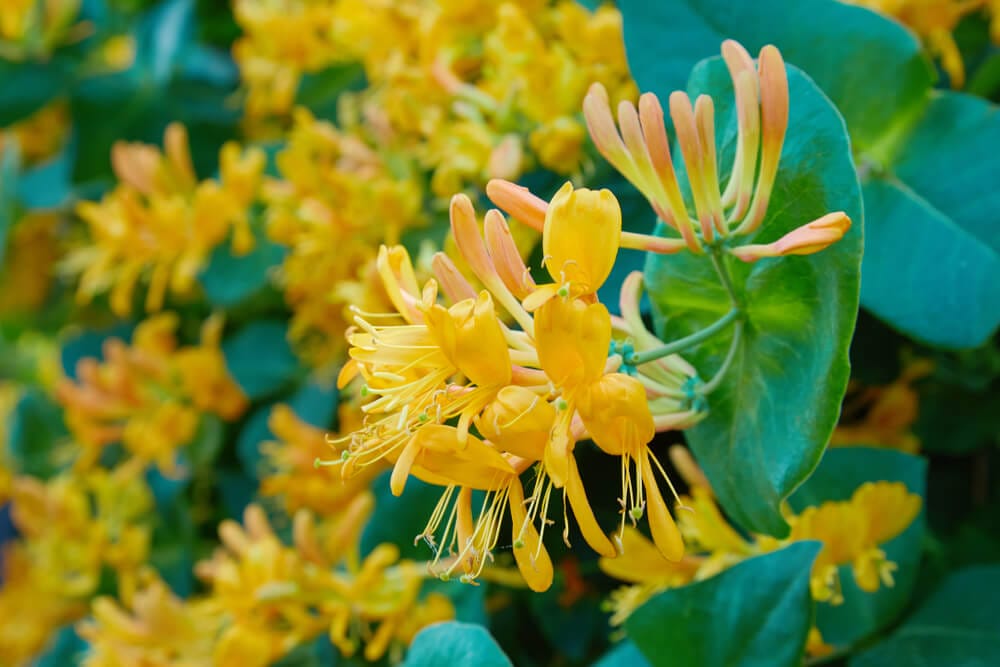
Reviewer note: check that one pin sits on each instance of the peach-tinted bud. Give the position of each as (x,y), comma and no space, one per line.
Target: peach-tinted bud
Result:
(506,257)
(581,237)
(177,148)
(601,125)
(505,159)
(806,240)
(396,271)
(774,123)
(453,283)
(518,202)
(704,116)
(682,113)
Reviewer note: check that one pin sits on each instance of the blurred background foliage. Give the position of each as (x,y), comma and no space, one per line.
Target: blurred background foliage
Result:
(251,308)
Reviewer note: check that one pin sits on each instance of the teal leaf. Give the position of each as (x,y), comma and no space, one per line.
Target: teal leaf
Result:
(398,519)
(871,67)
(957,626)
(624,654)
(65,648)
(314,403)
(230,279)
(27,87)
(840,473)
(923,273)
(932,266)
(454,643)
(755,614)
(260,359)
(162,37)
(772,416)
(48,184)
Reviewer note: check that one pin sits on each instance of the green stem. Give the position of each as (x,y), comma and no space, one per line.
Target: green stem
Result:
(682,344)
(716,380)
(723,272)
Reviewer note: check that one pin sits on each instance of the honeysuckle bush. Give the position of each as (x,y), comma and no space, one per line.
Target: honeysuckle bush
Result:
(429,333)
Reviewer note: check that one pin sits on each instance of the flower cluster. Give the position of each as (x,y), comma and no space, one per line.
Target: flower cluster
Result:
(72,529)
(470,91)
(333,192)
(30,30)
(160,223)
(149,395)
(265,598)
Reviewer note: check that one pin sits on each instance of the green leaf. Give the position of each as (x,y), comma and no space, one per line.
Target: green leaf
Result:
(162,37)
(27,87)
(454,643)
(840,473)
(932,261)
(957,626)
(397,520)
(319,91)
(625,654)
(260,358)
(872,68)
(923,273)
(756,613)
(775,410)
(314,403)
(230,279)
(205,447)
(35,434)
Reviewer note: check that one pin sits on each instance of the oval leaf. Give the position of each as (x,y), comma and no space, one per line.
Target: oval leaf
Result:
(958,625)
(455,643)
(260,358)
(756,613)
(775,411)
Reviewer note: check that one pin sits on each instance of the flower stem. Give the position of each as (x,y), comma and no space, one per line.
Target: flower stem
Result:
(684,343)
(716,380)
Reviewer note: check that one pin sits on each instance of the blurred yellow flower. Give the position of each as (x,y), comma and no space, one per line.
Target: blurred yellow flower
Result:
(160,223)
(40,135)
(149,395)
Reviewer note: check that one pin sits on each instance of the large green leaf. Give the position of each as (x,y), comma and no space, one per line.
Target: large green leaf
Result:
(936,146)
(957,626)
(840,473)
(230,279)
(925,274)
(755,614)
(260,358)
(871,67)
(454,643)
(27,87)
(774,413)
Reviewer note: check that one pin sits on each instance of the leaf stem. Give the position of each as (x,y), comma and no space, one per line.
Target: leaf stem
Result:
(723,272)
(684,343)
(716,380)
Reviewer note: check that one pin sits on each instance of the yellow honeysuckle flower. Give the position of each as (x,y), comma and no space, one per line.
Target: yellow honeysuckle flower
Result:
(271,597)
(532,394)
(40,135)
(159,630)
(580,238)
(292,475)
(149,395)
(935,21)
(29,29)
(33,250)
(160,224)
(851,532)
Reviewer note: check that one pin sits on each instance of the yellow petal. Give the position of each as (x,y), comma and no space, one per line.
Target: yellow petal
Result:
(581,237)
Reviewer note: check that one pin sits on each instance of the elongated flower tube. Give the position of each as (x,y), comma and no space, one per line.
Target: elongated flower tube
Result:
(638,147)
(808,239)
